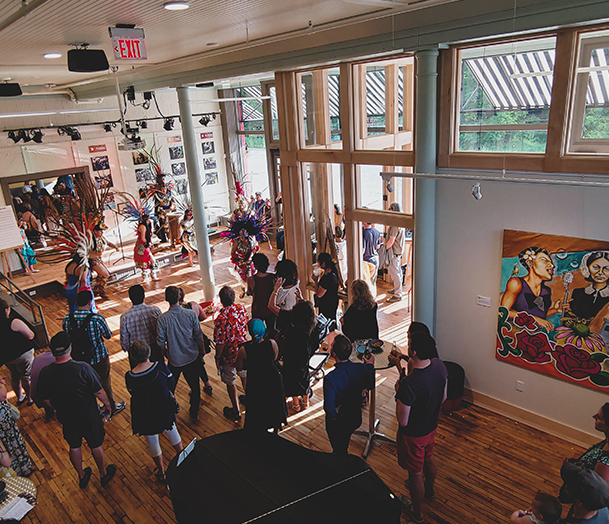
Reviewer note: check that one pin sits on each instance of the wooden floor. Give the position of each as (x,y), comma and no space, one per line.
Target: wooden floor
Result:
(488,465)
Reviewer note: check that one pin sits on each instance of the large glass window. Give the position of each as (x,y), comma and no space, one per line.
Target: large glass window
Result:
(321,107)
(505,96)
(590,122)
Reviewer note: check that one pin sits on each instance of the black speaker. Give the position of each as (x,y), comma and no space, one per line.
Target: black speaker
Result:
(10,90)
(87,60)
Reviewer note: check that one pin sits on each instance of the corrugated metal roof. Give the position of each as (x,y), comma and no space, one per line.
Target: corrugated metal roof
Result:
(521,81)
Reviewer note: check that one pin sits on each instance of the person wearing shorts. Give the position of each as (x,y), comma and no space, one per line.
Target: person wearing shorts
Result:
(72,389)
(230,331)
(419,398)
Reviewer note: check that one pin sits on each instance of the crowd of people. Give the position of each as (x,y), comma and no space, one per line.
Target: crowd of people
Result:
(269,350)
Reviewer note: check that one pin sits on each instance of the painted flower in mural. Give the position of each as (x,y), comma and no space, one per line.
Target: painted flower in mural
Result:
(523,319)
(580,336)
(575,362)
(536,348)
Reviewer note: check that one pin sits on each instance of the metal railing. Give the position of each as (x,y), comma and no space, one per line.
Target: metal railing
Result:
(21,298)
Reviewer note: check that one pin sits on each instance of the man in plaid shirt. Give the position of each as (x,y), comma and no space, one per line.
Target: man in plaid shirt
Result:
(140,323)
(98,330)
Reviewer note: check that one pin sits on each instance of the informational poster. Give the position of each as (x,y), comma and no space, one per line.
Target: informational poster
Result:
(554,307)
(10,237)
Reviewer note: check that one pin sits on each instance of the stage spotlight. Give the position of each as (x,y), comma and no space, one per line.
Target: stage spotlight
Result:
(24,135)
(387,178)
(107,128)
(72,132)
(143,124)
(476,191)
(168,125)
(12,135)
(205,120)
(37,135)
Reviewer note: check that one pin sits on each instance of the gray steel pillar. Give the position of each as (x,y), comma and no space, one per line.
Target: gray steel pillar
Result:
(424,242)
(196,194)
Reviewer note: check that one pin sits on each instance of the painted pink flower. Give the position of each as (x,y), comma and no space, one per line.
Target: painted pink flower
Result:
(523,319)
(574,362)
(535,348)
(580,338)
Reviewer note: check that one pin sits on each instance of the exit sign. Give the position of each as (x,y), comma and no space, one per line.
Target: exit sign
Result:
(128,44)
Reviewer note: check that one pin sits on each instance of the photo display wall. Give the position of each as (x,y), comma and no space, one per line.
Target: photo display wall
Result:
(102,175)
(554,307)
(210,166)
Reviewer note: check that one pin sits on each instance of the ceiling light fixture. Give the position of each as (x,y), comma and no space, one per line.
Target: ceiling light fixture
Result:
(176,5)
(476,191)
(72,132)
(52,55)
(212,44)
(13,136)
(24,135)
(168,125)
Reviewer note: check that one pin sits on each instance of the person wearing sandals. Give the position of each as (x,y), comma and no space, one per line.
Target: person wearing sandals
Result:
(17,352)
(152,406)
(298,347)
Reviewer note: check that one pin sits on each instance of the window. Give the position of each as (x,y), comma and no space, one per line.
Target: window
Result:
(321,107)
(505,96)
(590,119)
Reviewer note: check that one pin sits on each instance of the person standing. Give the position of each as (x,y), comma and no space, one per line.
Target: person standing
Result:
(152,406)
(140,323)
(181,339)
(71,388)
(419,397)
(343,388)
(17,352)
(326,287)
(260,286)
(371,240)
(394,246)
(230,331)
(96,330)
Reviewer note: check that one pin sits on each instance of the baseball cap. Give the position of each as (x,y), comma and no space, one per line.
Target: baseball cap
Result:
(59,343)
(585,485)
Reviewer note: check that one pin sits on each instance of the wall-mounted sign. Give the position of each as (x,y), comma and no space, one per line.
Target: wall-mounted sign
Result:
(128,44)
(97,149)
(174,139)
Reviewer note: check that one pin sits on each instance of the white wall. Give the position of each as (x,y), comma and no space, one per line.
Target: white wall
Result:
(469,241)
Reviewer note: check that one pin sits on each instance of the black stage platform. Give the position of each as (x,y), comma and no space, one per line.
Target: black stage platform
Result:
(235,478)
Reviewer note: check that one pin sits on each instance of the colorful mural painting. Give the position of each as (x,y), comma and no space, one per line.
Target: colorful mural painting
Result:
(554,307)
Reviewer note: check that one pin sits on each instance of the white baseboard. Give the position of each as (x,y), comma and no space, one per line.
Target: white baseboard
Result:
(575,436)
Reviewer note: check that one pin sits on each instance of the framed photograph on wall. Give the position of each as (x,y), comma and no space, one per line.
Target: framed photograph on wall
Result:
(103,181)
(178,168)
(208,148)
(100,163)
(139,158)
(176,152)
(209,163)
(211,178)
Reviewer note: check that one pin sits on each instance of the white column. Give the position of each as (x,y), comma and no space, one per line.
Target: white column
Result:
(196,194)
(424,244)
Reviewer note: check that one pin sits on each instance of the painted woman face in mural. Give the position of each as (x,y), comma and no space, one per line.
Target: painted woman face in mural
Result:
(542,266)
(599,271)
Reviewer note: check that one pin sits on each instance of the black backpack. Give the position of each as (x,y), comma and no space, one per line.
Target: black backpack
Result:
(82,346)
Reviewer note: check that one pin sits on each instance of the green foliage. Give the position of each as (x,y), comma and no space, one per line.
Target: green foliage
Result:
(596,123)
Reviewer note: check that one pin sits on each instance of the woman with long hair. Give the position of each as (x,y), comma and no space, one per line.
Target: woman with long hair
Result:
(142,255)
(153,407)
(298,347)
(11,437)
(95,259)
(264,393)
(360,320)
(189,238)
(326,286)
(17,352)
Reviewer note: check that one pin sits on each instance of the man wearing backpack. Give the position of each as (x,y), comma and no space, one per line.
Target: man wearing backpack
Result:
(87,332)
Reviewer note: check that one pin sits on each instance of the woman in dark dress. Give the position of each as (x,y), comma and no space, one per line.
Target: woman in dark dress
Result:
(260,286)
(152,404)
(17,352)
(359,321)
(266,407)
(326,287)
(298,347)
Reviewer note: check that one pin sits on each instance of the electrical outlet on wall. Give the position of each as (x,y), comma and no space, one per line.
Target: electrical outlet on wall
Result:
(519,385)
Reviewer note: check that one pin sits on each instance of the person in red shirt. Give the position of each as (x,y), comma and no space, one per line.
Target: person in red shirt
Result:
(230,331)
